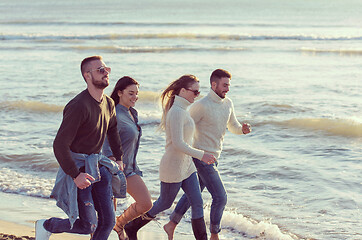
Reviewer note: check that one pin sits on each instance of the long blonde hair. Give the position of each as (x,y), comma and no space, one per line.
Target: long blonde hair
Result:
(168,95)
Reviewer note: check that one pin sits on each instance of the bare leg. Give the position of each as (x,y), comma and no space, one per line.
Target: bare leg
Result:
(170,229)
(138,190)
(115,203)
(214,236)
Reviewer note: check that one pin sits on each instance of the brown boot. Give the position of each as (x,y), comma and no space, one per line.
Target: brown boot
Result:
(128,215)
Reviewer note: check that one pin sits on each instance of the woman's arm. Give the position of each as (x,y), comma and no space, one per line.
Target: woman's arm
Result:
(176,120)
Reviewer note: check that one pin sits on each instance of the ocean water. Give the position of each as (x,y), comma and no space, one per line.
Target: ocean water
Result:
(296,67)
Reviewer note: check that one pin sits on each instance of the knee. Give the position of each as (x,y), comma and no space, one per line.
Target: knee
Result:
(147,206)
(144,206)
(105,226)
(89,228)
(221,200)
(160,205)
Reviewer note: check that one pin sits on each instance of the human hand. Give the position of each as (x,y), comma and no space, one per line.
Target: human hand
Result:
(208,158)
(121,165)
(82,181)
(246,128)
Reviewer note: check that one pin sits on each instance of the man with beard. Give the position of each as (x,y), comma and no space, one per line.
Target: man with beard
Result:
(83,185)
(212,115)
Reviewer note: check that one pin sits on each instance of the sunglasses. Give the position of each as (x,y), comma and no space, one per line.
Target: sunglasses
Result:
(196,92)
(102,70)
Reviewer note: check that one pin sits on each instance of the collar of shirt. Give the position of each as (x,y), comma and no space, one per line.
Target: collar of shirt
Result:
(214,97)
(133,111)
(181,102)
(120,107)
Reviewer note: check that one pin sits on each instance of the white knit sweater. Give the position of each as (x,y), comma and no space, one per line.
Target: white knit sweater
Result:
(176,164)
(212,115)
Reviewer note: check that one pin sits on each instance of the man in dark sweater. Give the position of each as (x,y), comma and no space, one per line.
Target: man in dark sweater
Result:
(87,119)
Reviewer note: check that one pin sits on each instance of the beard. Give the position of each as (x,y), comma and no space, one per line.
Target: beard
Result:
(100,84)
(220,93)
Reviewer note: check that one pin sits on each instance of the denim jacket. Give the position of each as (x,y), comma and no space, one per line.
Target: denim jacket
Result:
(65,190)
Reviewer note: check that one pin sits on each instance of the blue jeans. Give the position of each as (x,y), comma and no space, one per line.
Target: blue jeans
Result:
(97,198)
(209,177)
(169,192)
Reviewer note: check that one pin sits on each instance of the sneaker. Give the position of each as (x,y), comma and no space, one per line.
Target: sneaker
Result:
(40,232)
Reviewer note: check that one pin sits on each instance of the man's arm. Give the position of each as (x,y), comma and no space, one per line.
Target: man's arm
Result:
(114,139)
(72,118)
(176,122)
(233,124)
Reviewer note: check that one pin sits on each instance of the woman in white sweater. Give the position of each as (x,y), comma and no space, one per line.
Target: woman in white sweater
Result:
(177,169)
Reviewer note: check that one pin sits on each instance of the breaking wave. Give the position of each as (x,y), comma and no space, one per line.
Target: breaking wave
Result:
(338,127)
(343,52)
(114,36)
(31,106)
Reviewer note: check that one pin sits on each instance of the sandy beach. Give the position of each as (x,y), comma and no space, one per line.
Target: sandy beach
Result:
(9,230)
(13,231)
(19,213)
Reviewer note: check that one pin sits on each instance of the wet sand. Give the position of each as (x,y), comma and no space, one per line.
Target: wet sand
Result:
(13,237)
(18,214)
(14,231)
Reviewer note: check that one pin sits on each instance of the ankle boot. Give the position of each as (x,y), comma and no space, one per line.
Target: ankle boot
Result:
(199,228)
(128,215)
(132,227)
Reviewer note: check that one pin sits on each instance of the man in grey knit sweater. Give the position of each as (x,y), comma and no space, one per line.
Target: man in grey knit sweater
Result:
(212,115)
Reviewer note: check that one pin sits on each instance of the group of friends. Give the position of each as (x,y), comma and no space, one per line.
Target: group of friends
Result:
(97,144)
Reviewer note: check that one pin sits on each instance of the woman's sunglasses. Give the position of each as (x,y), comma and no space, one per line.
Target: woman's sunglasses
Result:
(196,92)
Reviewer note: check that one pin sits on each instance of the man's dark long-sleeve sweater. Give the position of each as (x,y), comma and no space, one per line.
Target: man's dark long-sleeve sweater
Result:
(86,123)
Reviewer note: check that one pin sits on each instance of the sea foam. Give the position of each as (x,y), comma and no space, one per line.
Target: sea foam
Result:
(31,106)
(338,127)
(249,227)
(21,182)
(342,52)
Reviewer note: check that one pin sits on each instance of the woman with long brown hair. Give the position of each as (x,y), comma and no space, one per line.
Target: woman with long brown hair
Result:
(125,96)
(177,169)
